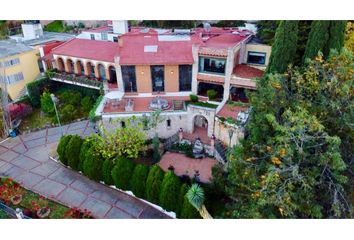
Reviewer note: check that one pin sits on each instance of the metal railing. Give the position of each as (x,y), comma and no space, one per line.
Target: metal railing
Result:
(77,80)
(10,212)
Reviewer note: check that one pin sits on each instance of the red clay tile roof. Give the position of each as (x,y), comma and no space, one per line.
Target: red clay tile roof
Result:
(168,52)
(213,52)
(90,49)
(245,71)
(50,45)
(230,111)
(210,78)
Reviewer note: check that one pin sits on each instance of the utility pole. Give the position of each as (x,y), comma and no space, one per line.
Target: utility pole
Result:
(54,99)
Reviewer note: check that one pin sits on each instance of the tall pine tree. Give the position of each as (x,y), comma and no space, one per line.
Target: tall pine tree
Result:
(284,47)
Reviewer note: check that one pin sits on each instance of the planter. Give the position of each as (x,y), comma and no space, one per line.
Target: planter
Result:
(15,200)
(43,212)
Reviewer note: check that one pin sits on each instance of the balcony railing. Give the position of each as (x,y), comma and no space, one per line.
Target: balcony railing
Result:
(77,80)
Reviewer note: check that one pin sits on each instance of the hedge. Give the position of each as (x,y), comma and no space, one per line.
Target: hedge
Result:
(72,153)
(92,114)
(92,165)
(122,173)
(153,184)
(138,180)
(86,145)
(35,90)
(170,189)
(61,149)
(107,168)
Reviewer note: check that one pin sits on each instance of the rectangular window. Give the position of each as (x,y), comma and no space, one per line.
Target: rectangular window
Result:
(212,65)
(14,78)
(129,78)
(168,123)
(104,36)
(11,62)
(256,58)
(92,36)
(185,77)
(115,39)
(158,78)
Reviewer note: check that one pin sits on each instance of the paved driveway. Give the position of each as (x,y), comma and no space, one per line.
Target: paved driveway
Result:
(25,159)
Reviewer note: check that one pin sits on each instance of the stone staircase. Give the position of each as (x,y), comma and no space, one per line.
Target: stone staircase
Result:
(221,151)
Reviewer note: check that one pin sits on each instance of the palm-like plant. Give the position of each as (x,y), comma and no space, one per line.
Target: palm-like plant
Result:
(195,196)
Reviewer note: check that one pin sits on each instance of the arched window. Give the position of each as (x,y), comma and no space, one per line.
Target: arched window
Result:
(102,72)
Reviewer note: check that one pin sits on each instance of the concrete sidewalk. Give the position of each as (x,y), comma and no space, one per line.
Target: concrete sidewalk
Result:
(26,160)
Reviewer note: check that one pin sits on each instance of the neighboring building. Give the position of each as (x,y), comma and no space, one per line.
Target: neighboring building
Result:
(20,57)
(150,69)
(19,65)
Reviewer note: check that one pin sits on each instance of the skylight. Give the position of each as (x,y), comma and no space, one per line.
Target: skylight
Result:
(150,48)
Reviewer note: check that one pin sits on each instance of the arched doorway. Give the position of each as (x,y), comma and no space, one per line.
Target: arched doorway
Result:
(90,69)
(70,64)
(112,74)
(60,66)
(102,72)
(200,127)
(80,68)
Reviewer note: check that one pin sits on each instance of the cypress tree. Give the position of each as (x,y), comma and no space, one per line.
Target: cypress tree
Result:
(284,47)
(336,36)
(170,190)
(138,180)
(317,40)
(153,184)
(64,140)
(72,152)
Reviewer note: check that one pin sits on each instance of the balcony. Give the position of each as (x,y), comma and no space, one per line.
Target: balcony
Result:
(73,79)
(245,76)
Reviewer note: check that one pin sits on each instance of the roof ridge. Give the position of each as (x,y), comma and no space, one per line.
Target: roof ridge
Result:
(62,44)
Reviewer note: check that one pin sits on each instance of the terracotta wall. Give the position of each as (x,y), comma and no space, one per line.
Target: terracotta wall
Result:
(171,78)
(143,78)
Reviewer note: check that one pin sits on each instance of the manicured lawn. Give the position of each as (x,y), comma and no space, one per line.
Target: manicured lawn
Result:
(55,26)
(35,120)
(202,104)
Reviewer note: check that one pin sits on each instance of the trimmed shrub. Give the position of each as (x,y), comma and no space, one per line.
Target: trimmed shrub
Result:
(211,93)
(47,105)
(153,184)
(86,104)
(122,173)
(68,113)
(188,211)
(170,189)
(193,98)
(86,145)
(35,90)
(138,180)
(182,194)
(63,142)
(72,153)
(107,171)
(71,97)
(92,165)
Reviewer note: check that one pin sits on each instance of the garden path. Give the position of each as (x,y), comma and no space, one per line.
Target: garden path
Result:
(25,159)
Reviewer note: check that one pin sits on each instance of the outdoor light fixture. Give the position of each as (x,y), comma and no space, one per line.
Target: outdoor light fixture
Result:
(172,72)
(142,72)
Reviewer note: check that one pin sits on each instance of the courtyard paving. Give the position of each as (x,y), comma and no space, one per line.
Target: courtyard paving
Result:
(184,165)
(25,158)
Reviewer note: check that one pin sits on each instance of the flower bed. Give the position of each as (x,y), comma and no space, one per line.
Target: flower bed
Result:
(33,204)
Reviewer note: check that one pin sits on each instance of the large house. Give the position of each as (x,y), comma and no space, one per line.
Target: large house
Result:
(144,69)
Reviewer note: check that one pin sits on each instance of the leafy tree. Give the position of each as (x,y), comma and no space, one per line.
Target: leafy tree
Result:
(284,47)
(230,23)
(291,163)
(126,142)
(122,172)
(153,184)
(72,153)
(86,104)
(68,113)
(138,180)
(47,104)
(195,196)
(349,36)
(71,97)
(170,189)
(92,165)
(35,90)
(107,168)
(266,30)
(63,142)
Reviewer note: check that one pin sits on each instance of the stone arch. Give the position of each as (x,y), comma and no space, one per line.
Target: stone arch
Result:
(80,67)
(112,74)
(70,66)
(90,69)
(101,70)
(208,115)
(60,64)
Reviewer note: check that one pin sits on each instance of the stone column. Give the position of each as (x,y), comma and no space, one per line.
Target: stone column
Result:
(195,69)
(212,144)
(119,74)
(180,134)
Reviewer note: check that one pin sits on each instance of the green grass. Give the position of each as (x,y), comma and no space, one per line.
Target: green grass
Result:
(55,26)
(35,120)
(202,104)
